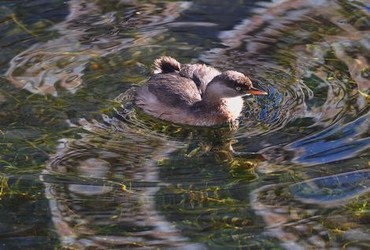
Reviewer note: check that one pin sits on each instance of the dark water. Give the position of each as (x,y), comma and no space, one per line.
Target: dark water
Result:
(81,168)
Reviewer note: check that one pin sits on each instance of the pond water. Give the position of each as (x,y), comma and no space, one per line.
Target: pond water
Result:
(82,168)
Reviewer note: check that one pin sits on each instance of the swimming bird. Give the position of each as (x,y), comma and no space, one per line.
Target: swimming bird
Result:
(194,94)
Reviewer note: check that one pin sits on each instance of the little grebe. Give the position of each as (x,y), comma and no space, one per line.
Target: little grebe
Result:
(194,94)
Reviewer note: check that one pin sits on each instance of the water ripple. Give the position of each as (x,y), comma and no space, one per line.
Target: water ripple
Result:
(61,62)
(124,179)
(106,182)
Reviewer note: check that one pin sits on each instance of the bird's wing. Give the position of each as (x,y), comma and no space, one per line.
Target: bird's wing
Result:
(173,90)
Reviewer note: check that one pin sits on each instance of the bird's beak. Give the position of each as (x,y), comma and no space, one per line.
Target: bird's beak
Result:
(254,91)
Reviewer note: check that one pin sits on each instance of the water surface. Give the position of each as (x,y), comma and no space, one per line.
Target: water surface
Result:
(81,168)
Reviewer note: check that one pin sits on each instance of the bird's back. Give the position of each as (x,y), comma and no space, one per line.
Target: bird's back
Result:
(167,96)
(173,89)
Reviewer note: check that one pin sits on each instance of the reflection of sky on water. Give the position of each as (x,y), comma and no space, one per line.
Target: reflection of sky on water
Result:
(334,189)
(338,142)
(335,143)
(315,224)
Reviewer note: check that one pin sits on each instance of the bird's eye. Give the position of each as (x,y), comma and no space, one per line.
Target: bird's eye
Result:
(238,88)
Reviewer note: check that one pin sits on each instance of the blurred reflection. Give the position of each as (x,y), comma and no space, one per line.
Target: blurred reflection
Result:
(60,62)
(317,225)
(101,189)
(334,189)
(335,143)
